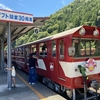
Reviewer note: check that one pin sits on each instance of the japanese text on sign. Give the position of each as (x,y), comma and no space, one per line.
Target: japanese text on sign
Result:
(10,16)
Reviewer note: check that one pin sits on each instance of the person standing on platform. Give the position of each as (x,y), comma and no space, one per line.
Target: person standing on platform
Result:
(32,69)
(13,74)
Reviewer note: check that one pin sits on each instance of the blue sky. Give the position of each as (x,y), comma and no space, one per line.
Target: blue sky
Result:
(39,8)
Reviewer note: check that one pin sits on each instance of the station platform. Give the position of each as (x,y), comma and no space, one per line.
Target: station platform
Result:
(24,91)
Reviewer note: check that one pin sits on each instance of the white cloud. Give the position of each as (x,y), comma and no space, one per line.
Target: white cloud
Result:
(4,7)
(63,2)
(21,4)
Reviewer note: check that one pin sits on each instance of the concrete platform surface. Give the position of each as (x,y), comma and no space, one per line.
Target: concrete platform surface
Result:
(24,91)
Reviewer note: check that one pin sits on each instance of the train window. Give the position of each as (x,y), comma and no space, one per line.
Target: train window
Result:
(33,49)
(12,52)
(43,49)
(27,51)
(61,49)
(76,45)
(86,47)
(16,51)
(53,48)
(5,53)
(20,51)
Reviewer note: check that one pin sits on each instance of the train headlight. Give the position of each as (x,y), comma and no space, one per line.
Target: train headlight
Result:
(95,32)
(82,31)
(71,51)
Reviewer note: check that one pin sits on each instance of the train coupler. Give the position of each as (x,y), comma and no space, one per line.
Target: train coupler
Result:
(96,85)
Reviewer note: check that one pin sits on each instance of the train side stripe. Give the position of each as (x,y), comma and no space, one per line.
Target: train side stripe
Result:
(41,64)
(69,68)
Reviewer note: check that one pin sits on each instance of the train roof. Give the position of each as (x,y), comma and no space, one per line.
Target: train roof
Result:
(59,35)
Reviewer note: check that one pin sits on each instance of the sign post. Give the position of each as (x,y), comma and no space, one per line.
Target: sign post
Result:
(9,56)
(13,17)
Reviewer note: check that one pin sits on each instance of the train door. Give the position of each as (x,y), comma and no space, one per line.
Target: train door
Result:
(20,56)
(61,58)
(53,60)
(43,57)
(26,55)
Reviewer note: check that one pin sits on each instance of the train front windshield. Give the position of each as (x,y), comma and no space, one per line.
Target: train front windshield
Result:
(84,47)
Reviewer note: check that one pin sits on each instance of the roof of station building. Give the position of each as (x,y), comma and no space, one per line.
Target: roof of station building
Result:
(17,28)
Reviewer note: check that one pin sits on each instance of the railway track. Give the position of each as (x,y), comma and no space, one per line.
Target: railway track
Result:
(90,95)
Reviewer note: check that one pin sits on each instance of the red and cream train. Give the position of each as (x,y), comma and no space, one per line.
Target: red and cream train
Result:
(59,58)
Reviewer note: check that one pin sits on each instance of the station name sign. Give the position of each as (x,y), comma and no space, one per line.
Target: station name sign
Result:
(10,16)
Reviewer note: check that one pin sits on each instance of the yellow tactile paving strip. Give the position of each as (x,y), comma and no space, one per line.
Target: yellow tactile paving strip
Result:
(34,90)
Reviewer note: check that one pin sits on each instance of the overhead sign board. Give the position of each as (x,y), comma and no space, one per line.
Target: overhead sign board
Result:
(10,16)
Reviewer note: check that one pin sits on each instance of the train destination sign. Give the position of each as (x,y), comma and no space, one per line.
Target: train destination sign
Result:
(10,16)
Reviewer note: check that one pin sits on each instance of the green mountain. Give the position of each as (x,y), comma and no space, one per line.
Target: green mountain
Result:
(79,12)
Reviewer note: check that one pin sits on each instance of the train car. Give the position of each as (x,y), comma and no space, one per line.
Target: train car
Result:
(67,61)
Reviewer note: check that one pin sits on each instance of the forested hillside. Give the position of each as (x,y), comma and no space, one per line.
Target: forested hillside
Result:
(79,12)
